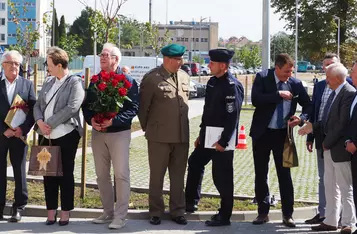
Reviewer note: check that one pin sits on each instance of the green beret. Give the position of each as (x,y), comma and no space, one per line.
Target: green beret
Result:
(173,50)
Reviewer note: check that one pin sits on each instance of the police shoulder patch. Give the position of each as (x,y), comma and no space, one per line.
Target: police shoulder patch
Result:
(230,107)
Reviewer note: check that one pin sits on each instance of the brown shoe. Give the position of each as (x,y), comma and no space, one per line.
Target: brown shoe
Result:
(346,230)
(323,227)
(262,218)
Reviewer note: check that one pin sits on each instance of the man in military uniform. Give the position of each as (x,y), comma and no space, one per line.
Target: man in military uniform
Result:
(223,101)
(163,115)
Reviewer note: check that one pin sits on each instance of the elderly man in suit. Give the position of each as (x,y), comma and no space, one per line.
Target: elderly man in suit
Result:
(275,94)
(337,161)
(319,98)
(163,115)
(351,137)
(12,84)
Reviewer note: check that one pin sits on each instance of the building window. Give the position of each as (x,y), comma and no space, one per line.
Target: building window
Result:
(2,6)
(2,37)
(186,39)
(178,39)
(2,21)
(206,39)
(197,40)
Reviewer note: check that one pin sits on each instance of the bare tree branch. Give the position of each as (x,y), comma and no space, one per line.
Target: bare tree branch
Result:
(83,2)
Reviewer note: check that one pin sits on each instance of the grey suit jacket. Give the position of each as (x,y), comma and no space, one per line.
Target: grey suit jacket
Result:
(337,122)
(67,103)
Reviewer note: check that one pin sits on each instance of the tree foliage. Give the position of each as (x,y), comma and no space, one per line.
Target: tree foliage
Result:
(62,28)
(281,43)
(250,56)
(154,40)
(71,44)
(55,27)
(317,26)
(26,34)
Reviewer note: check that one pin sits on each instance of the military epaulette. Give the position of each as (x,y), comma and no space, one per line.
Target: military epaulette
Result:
(152,70)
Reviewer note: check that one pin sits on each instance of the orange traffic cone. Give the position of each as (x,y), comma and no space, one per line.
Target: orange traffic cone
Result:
(242,141)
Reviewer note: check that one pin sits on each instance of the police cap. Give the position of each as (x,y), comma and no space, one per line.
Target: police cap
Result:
(221,55)
(173,50)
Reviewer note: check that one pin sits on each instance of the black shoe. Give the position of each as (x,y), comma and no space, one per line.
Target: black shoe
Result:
(315,220)
(2,216)
(217,220)
(51,222)
(191,208)
(66,222)
(154,220)
(180,220)
(289,221)
(16,217)
(261,219)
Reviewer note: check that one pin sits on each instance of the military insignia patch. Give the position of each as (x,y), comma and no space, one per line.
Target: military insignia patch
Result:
(230,107)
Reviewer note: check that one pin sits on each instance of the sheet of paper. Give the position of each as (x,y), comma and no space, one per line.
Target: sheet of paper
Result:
(18,119)
(213,134)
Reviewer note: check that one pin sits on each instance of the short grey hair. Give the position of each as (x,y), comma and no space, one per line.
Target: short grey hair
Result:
(13,54)
(113,50)
(338,70)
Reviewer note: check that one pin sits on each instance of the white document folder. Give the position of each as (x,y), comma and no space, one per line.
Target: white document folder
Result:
(213,134)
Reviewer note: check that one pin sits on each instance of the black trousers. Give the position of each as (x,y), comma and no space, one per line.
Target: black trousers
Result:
(222,173)
(18,150)
(69,145)
(272,140)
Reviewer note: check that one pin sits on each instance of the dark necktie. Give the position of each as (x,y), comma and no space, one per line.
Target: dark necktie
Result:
(174,77)
(280,109)
(327,107)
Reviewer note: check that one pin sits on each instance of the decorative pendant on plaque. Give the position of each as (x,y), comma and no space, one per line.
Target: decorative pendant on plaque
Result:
(43,157)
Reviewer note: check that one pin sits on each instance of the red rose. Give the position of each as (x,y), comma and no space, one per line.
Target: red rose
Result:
(127,84)
(105,76)
(119,77)
(122,91)
(114,83)
(112,74)
(102,86)
(94,79)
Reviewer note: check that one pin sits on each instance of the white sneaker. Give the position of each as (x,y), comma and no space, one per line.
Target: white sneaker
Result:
(104,218)
(117,223)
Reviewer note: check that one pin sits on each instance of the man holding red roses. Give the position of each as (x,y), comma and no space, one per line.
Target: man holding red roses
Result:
(163,115)
(111,103)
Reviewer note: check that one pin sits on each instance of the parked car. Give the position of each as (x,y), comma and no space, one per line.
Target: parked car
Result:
(187,69)
(200,88)
(195,68)
(205,71)
(192,92)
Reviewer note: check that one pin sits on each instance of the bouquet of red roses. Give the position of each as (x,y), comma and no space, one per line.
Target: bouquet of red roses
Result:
(111,91)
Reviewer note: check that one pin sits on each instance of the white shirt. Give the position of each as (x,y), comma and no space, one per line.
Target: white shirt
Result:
(10,88)
(62,129)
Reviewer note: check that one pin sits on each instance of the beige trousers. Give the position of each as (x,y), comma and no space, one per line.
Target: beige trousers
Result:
(174,157)
(112,148)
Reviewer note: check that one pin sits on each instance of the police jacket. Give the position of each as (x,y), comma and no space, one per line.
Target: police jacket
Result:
(223,102)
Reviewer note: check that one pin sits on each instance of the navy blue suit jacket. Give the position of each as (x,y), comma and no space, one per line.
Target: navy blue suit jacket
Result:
(265,98)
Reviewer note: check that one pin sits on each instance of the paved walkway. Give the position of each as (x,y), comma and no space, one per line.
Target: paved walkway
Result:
(36,225)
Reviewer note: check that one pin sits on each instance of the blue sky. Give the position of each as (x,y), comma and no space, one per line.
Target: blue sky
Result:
(235,17)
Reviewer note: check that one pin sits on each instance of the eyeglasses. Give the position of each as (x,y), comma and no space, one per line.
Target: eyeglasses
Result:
(17,64)
(105,55)
(45,64)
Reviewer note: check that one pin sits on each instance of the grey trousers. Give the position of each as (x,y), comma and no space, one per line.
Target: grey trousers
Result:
(174,157)
(112,148)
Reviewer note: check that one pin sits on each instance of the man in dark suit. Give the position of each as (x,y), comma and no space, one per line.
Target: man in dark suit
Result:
(12,84)
(319,98)
(275,95)
(351,137)
(337,161)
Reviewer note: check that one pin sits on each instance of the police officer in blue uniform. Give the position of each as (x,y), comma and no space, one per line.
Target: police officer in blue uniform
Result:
(223,101)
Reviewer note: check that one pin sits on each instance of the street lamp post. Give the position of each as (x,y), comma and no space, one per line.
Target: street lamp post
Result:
(95,40)
(199,46)
(296,35)
(266,35)
(53,23)
(338,33)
